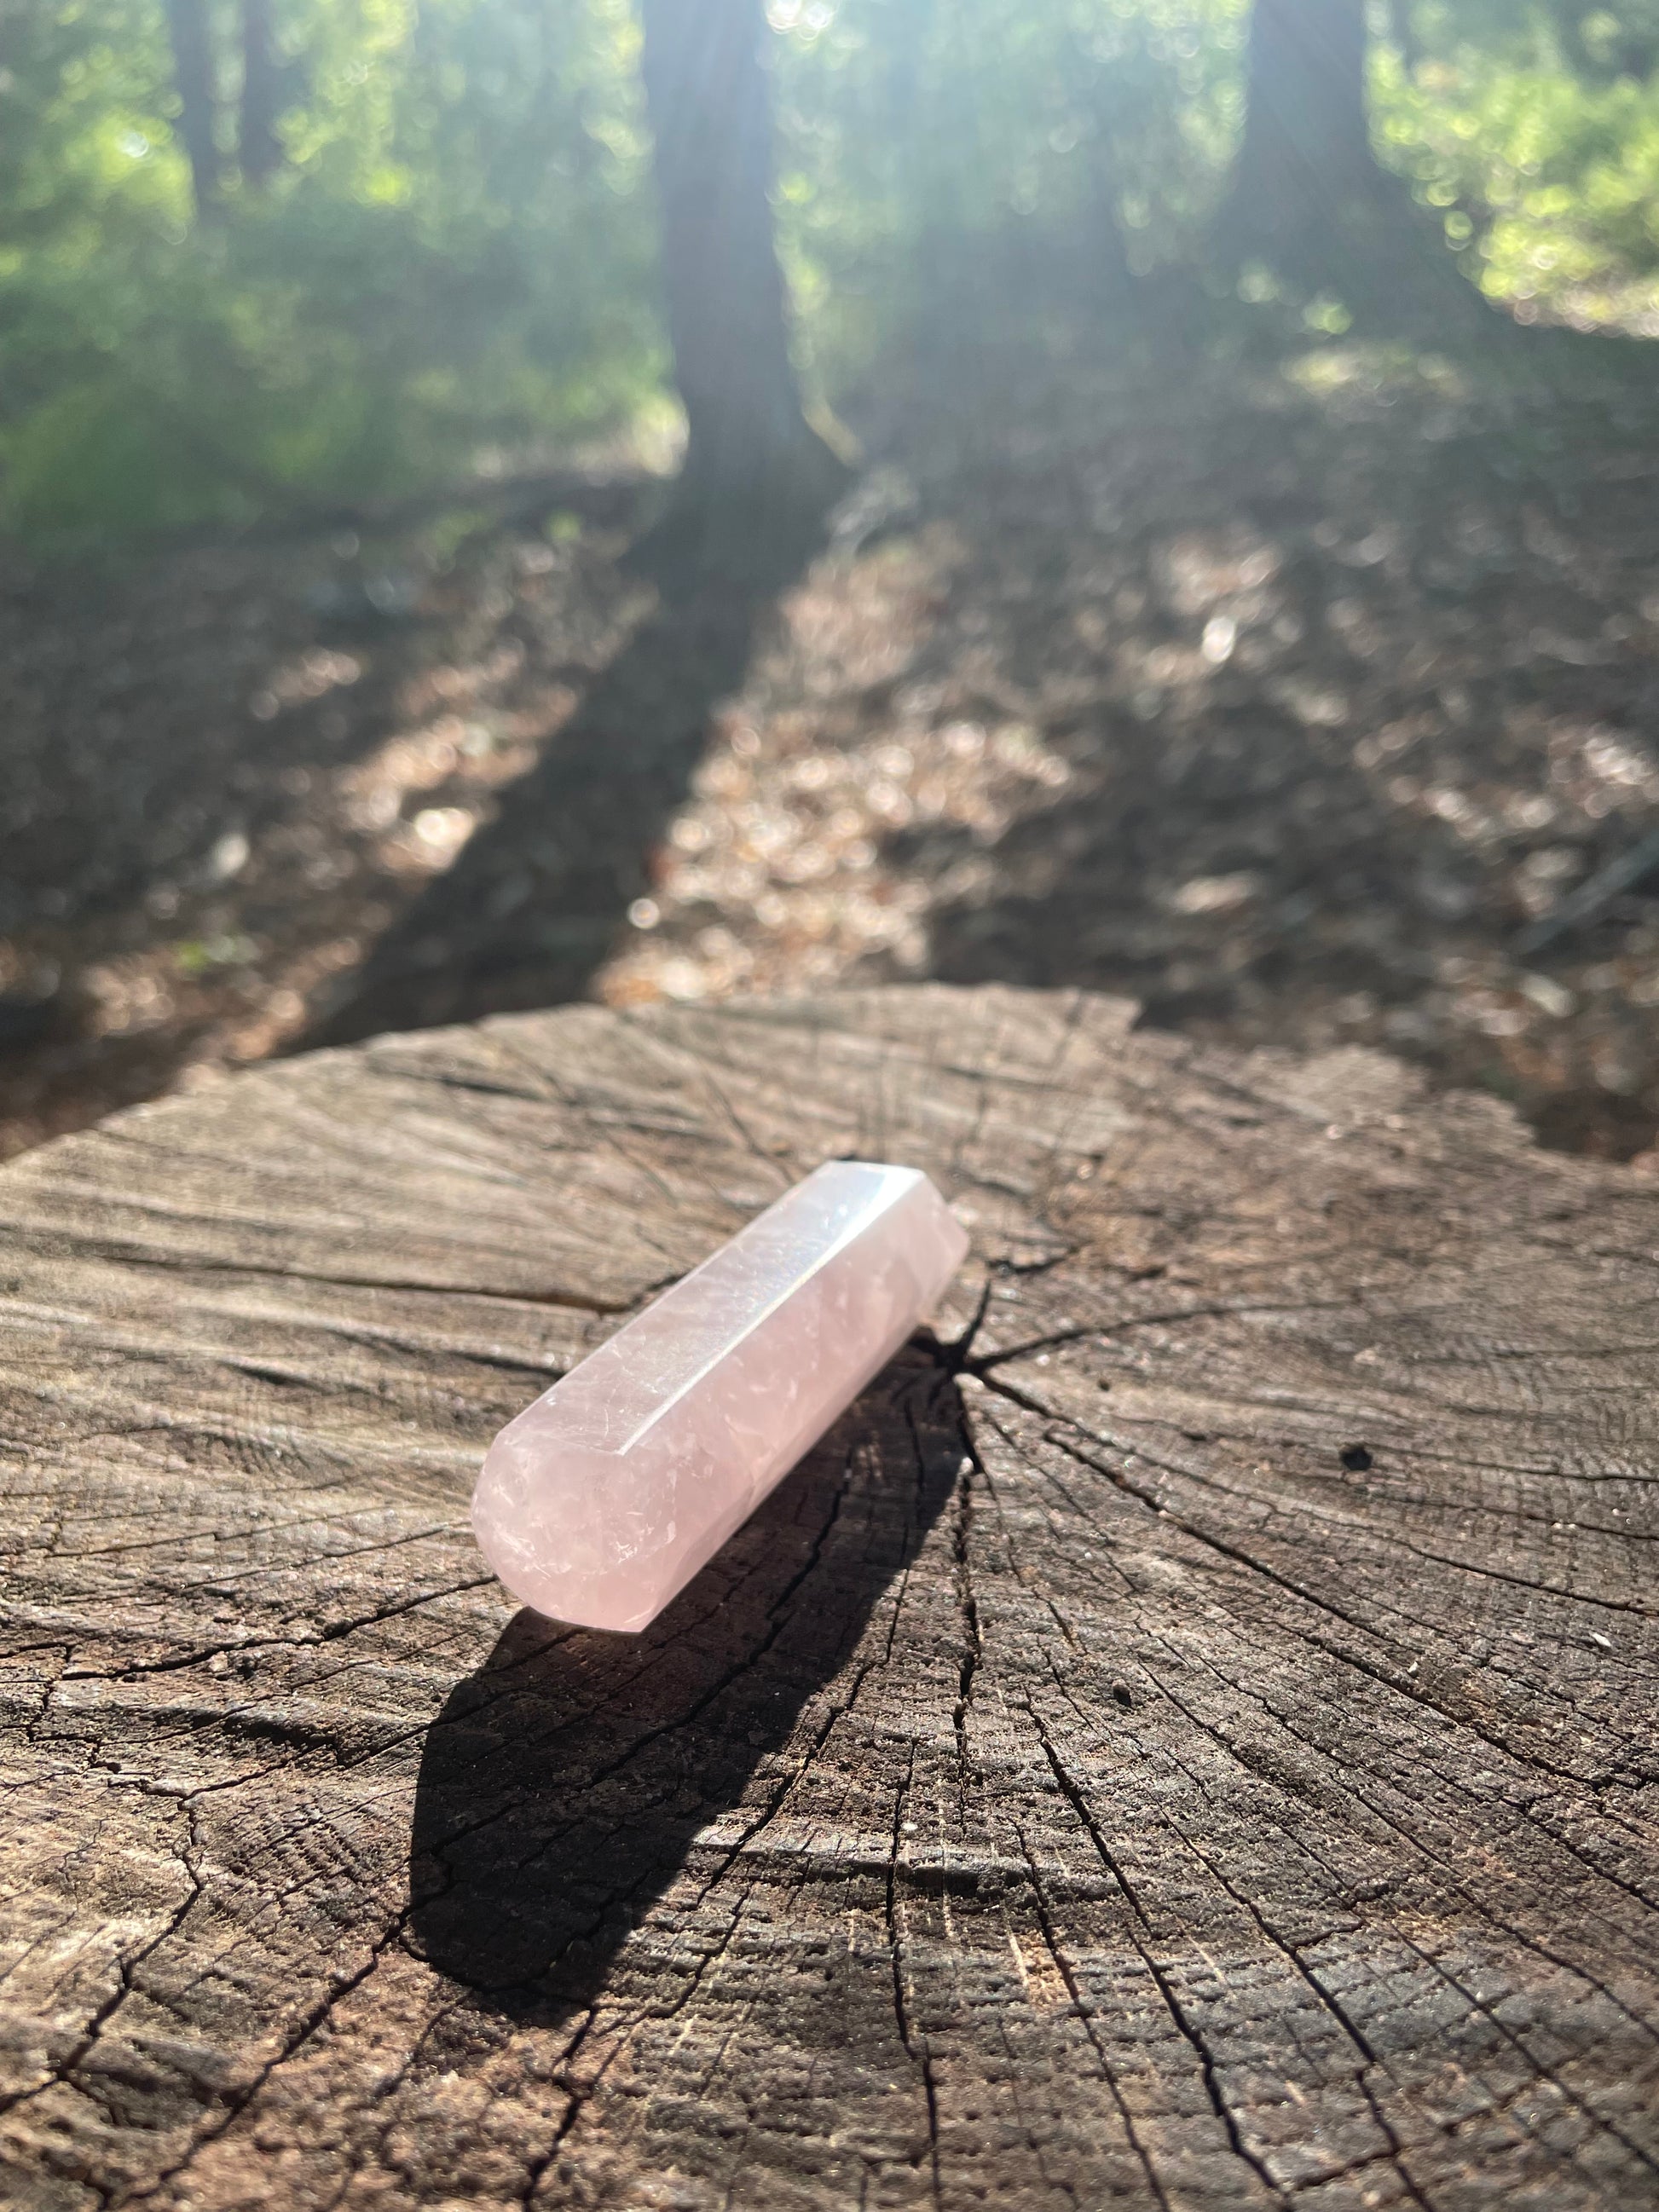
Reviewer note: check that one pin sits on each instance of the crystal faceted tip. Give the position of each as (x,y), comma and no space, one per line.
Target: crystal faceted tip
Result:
(599,1503)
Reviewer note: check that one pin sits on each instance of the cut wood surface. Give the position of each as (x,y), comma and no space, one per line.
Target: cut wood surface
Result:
(1184,1739)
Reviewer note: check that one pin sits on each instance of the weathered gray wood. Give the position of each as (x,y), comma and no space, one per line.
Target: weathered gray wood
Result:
(1197,1752)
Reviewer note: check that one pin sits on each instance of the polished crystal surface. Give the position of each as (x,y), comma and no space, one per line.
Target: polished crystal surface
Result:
(598,1503)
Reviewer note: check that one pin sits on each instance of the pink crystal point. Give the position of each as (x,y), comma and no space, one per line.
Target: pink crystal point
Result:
(599,1503)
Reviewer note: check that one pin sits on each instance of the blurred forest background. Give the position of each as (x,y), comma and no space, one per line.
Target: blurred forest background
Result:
(510,500)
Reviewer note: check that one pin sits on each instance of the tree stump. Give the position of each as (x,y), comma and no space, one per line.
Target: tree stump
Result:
(1184,1739)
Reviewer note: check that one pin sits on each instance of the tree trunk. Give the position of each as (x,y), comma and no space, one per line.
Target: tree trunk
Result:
(195,80)
(751,454)
(259,148)
(1308,198)
(1184,1739)
(1305,167)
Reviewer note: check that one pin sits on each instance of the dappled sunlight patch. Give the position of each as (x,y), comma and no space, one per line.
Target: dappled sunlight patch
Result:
(784,843)
(1285,730)
(1215,894)
(1299,785)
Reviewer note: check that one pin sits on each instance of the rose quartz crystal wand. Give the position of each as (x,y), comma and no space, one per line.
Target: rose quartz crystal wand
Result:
(601,1501)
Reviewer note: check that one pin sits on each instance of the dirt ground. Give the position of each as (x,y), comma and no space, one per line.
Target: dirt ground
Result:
(1282,700)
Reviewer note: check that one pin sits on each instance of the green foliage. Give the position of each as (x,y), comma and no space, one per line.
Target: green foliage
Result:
(456,258)
(455,261)
(992,149)
(1537,130)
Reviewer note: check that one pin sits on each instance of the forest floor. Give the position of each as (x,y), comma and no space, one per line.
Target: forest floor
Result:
(1281,700)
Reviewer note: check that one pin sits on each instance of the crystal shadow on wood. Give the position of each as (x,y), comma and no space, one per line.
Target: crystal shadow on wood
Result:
(563,1784)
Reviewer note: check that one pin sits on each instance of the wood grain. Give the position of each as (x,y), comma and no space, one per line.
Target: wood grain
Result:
(1184,1740)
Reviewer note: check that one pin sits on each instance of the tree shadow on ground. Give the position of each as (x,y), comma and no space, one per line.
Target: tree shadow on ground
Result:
(526,914)
(1286,703)
(565,1783)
